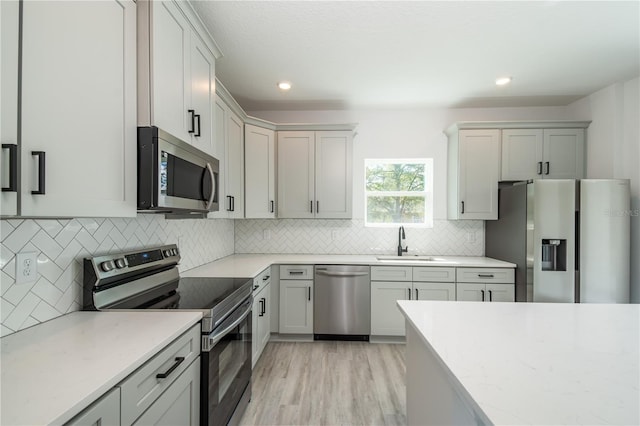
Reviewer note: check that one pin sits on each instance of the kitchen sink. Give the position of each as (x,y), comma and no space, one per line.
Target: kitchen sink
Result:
(407,258)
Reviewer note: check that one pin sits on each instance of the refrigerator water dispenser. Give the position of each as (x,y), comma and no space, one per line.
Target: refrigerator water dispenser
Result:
(554,255)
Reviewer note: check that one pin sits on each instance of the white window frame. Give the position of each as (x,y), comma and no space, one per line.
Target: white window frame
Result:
(427,193)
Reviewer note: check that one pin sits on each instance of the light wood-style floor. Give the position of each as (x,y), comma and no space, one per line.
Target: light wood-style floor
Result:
(328,383)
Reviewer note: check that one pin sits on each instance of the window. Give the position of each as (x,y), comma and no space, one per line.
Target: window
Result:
(399,192)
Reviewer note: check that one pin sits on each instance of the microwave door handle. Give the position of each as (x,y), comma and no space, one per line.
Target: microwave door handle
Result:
(212,195)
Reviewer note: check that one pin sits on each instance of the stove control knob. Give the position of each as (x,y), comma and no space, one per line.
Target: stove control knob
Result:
(174,251)
(107,266)
(120,263)
(167,253)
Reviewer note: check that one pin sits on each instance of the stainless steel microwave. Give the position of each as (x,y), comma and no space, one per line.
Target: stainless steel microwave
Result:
(174,176)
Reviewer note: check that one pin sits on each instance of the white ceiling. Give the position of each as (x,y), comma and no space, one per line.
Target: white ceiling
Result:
(401,54)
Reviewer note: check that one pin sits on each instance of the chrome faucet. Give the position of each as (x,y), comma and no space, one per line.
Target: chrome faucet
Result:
(401,236)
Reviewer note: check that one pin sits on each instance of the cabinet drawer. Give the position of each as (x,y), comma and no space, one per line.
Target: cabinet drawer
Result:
(296,272)
(142,387)
(485,275)
(262,280)
(434,274)
(391,273)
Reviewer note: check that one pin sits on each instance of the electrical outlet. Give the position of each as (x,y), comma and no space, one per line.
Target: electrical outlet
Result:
(334,235)
(26,267)
(471,237)
(266,234)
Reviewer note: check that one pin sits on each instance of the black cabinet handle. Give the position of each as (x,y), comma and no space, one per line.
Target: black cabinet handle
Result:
(264,305)
(13,167)
(272,206)
(193,120)
(255,287)
(317,207)
(485,275)
(265,278)
(547,168)
(164,375)
(462,207)
(409,290)
(490,296)
(229,199)
(309,288)
(261,301)
(482,291)
(417,294)
(198,119)
(233,203)
(41,171)
(311,203)
(296,272)
(539,167)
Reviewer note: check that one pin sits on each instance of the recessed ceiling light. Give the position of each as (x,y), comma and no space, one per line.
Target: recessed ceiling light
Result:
(284,85)
(501,81)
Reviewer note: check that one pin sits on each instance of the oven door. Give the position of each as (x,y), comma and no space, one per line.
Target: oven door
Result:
(226,367)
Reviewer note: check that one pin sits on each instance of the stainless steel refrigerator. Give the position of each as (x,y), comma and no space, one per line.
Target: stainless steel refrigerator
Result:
(570,239)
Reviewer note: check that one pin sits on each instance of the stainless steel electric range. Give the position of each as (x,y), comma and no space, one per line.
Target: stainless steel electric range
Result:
(149,279)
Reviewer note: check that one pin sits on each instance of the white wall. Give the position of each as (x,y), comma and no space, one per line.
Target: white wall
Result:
(407,133)
(613,149)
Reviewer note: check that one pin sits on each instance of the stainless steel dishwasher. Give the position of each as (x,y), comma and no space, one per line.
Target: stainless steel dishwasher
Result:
(342,302)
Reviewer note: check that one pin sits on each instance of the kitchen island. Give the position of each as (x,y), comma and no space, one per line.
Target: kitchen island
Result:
(522,363)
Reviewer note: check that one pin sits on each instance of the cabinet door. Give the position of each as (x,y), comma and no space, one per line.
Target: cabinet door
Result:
(255,320)
(202,94)
(78,108)
(563,154)
(521,154)
(296,307)
(9,117)
(386,319)
(235,166)
(479,171)
(171,35)
(333,178)
(434,291)
(103,412)
(179,404)
(259,172)
(296,175)
(470,292)
(500,292)
(264,319)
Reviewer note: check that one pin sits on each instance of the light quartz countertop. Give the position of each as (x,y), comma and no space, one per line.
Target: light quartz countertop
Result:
(52,371)
(534,363)
(250,265)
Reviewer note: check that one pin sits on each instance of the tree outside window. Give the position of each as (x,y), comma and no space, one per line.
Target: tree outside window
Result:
(399,192)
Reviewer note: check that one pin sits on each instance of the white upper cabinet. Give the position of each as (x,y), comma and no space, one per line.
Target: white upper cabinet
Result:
(556,153)
(259,172)
(474,171)
(315,174)
(78,116)
(229,148)
(9,118)
(176,76)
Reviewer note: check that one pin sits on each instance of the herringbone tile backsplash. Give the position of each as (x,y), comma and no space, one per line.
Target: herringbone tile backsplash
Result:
(62,244)
(453,238)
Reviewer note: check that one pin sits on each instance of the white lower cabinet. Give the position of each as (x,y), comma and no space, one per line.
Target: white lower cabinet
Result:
(485,285)
(386,319)
(163,391)
(261,317)
(179,404)
(479,292)
(296,302)
(105,411)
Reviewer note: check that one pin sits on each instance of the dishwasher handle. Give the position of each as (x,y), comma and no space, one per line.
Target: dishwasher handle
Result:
(340,274)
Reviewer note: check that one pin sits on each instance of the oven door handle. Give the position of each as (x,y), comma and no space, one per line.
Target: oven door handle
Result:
(227,325)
